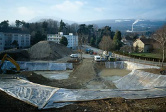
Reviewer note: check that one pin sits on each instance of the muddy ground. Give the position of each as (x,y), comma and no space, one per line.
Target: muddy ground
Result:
(10,104)
(86,75)
(88,72)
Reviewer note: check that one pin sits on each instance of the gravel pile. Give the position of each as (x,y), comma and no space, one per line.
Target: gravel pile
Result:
(48,50)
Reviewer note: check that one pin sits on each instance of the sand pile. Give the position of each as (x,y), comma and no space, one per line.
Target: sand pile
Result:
(48,50)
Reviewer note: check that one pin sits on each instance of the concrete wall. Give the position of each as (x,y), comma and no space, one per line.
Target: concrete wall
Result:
(133,66)
(127,65)
(31,66)
(117,64)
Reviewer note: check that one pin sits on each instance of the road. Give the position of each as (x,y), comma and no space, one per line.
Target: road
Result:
(125,58)
(98,51)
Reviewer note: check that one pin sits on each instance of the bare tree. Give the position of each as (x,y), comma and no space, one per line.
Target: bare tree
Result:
(160,36)
(82,36)
(82,40)
(106,43)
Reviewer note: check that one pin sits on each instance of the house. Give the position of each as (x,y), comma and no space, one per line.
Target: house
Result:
(127,41)
(7,37)
(143,44)
(72,39)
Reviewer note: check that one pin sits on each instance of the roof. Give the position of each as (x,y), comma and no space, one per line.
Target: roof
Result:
(147,41)
(128,38)
(13,30)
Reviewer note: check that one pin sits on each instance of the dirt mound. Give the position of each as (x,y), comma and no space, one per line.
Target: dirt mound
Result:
(16,54)
(48,50)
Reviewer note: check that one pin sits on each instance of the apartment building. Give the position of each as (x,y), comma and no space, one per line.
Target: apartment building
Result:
(72,39)
(8,36)
(23,40)
(55,37)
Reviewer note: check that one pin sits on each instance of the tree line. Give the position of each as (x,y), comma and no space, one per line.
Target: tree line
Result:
(87,34)
(39,30)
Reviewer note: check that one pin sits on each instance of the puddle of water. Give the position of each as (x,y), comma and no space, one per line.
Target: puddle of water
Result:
(58,75)
(113,74)
(112,78)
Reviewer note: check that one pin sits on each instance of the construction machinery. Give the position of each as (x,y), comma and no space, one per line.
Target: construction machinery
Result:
(7,57)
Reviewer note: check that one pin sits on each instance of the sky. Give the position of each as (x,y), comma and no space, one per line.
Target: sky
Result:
(82,10)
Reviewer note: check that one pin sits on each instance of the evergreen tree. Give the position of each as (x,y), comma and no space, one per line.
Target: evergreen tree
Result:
(92,42)
(18,23)
(15,43)
(64,41)
(62,25)
(4,24)
(117,40)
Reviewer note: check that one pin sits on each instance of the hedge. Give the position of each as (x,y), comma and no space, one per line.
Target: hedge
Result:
(139,57)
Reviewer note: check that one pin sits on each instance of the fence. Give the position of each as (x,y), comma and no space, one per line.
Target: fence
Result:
(141,61)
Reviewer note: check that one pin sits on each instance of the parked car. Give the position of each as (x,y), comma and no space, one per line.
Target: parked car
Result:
(74,55)
(97,58)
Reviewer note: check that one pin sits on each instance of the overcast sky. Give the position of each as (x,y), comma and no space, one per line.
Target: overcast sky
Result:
(82,10)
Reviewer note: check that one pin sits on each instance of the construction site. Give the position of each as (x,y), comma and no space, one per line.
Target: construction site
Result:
(45,78)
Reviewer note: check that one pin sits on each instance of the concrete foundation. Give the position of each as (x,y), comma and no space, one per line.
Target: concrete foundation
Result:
(135,85)
(32,66)
(127,65)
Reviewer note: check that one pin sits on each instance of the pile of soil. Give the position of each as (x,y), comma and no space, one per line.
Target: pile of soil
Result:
(84,76)
(81,75)
(16,54)
(43,50)
(48,50)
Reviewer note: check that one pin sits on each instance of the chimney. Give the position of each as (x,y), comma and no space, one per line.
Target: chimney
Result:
(132,28)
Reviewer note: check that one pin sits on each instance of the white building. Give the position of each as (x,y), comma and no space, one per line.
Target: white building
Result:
(55,37)
(72,39)
(2,41)
(9,36)
(22,39)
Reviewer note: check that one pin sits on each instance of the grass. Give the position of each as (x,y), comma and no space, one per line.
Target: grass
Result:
(148,55)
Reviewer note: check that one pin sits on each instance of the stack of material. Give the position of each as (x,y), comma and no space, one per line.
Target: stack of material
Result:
(48,50)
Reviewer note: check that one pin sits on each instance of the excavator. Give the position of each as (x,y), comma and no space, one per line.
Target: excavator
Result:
(7,57)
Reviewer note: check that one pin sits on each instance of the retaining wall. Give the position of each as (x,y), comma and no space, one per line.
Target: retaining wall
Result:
(31,66)
(127,65)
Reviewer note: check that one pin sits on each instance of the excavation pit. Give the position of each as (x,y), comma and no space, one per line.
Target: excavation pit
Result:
(94,84)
